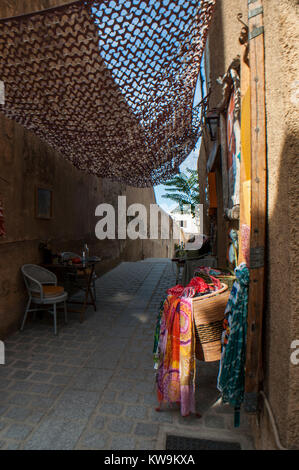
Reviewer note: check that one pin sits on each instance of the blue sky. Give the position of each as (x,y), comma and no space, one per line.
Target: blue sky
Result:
(189,162)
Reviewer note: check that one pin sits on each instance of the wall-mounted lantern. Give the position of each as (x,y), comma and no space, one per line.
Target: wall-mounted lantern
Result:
(212,120)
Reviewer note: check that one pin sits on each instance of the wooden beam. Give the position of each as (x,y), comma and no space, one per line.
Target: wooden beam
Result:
(258,205)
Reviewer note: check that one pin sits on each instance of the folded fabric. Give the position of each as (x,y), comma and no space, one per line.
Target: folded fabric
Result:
(176,290)
(202,287)
(199,285)
(207,270)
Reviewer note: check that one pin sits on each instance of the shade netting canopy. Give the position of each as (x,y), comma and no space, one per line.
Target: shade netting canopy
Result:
(109,84)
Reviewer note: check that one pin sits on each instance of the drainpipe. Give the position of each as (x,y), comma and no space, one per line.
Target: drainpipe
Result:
(272,421)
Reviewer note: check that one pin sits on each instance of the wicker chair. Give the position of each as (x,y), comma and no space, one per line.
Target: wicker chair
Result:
(43,291)
(67,255)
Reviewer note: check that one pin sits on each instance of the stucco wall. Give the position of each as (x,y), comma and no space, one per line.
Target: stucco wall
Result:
(224,41)
(26,162)
(281,316)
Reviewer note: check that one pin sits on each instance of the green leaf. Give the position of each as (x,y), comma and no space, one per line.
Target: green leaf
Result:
(184,189)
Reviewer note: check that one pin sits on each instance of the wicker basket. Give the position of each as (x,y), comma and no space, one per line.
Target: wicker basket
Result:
(226,277)
(228,280)
(208,312)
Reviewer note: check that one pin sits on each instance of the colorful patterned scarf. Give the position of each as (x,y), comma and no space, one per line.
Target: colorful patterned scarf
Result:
(231,376)
(176,349)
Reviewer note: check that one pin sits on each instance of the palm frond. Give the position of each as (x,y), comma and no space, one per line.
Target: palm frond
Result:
(184,189)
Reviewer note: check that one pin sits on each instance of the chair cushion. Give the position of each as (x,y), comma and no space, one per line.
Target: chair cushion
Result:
(51,291)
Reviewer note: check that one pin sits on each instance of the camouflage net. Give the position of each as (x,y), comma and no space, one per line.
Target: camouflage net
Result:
(109,84)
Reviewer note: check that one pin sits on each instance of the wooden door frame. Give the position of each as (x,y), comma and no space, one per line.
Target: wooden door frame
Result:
(254,371)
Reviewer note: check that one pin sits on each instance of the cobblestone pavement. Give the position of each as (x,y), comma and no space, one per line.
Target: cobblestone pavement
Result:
(92,387)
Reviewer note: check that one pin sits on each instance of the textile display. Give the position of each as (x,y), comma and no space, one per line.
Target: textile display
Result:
(176,371)
(233,249)
(231,377)
(174,345)
(234,153)
(245,189)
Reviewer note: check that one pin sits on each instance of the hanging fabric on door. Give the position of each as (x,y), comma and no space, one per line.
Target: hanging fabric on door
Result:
(231,376)
(176,353)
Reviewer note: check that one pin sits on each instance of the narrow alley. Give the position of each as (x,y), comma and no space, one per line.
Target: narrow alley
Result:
(148,159)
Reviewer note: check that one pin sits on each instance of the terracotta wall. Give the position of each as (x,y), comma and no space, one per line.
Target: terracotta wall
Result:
(281,315)
(26,162)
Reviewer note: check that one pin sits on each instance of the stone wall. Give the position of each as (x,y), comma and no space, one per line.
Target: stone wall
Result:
(25,163)
(281,316)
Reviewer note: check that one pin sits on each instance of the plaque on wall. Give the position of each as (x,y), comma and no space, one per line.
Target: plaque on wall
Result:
(43,203)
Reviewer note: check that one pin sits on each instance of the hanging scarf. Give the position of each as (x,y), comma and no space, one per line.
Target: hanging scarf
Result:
(176,371)
(199,284)
(174,345)
(233,248)
(187,358)
(231,376)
